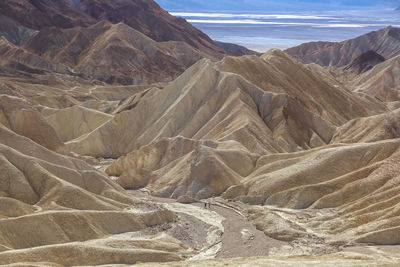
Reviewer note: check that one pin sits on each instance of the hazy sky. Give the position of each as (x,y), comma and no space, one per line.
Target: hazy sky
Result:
(274,5)
(264,24)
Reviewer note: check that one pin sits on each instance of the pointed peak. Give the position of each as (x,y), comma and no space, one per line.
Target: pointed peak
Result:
(276,53)
(393,32)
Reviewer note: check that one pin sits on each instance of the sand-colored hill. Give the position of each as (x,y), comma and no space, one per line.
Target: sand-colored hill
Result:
(277,72)
(370,129)
(182,167)
(278,179)
(355,202)
(57,204)
(195,105)
(282,112)
(178,167)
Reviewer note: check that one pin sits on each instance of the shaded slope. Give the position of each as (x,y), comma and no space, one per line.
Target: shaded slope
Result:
(148,18)
(381,82)
(365,62)
(235,50)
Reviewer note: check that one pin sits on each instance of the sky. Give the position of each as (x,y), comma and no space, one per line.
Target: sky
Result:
(264,24)
(274,5)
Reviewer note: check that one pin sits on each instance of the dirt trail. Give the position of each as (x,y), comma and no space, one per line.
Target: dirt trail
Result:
(220,231)
(240,237)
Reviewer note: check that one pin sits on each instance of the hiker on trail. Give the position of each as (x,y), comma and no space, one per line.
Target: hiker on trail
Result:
(205,205)
(209,205)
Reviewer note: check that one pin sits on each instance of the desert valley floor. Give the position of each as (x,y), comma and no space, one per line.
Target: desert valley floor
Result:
(116,129)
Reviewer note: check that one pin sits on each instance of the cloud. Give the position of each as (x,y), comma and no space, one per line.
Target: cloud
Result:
(257,22)
(254,16)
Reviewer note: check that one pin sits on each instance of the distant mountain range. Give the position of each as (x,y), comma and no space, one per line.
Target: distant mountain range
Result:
(386,42)
(69,37)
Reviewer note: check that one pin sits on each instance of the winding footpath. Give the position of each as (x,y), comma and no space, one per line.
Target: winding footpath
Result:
(229,234)
(240,237)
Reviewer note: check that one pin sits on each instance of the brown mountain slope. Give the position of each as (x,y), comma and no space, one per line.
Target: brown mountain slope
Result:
(143,15)
(18,58)
(39,14)
(122,41)
(114,52)
(148,18)
(385,42)
(14,32)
